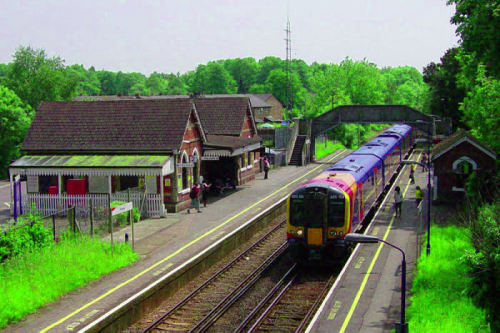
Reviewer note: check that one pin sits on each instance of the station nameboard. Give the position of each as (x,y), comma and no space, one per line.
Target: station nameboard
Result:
(121,209)
(210,158)
(185,165)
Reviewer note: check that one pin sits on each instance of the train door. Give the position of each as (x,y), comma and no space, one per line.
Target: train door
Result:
(316,205)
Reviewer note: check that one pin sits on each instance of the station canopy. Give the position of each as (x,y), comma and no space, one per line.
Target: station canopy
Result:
(93,165)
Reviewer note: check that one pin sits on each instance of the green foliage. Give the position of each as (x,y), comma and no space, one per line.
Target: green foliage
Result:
(122,218)
(32,280)
(437,302)
(478,25)
(23,236)
(484,262)
(445,92)
(244,72)
(35,77)
(15,119)
(481,109)
(212,78)
(322,149)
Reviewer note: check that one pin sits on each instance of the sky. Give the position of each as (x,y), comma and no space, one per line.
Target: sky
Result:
(177,35)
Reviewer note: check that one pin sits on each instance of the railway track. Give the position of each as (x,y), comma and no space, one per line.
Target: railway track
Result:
(208,302)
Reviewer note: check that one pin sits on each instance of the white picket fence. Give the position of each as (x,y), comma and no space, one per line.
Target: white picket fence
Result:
(48,204)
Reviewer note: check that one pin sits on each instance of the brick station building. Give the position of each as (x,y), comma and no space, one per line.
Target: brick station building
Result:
(108,146)
(454,159)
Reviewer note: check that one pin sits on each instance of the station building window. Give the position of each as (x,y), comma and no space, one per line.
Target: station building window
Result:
(185,173)
(463,168)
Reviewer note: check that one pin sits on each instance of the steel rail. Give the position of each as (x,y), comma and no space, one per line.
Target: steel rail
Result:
(213,277)
(238,291)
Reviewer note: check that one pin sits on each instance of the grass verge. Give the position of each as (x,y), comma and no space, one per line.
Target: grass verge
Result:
(439,302)
(30,281)
(322,151)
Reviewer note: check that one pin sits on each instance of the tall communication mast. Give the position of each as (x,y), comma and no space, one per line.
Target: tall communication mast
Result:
(289,99)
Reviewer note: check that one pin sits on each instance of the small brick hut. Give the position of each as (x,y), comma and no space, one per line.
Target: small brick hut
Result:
(454,159)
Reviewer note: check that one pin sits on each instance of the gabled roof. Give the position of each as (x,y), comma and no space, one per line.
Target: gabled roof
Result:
(457,138)
(222,115)
(109,126)
(224,141)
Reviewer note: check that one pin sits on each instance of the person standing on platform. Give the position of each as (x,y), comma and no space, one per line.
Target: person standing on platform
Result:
(412,174)
(267,165)
(194,194)
(204,192)
(418,195)
(398,200)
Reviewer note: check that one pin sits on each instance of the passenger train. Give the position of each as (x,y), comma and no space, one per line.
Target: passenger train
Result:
(323,210)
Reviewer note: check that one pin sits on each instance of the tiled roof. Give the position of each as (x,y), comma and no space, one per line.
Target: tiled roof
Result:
(454,139)
(107,126)
(222,115)
(226,141)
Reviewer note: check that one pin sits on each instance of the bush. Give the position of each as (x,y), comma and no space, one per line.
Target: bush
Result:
(26,234)
(122,218)
(484,262)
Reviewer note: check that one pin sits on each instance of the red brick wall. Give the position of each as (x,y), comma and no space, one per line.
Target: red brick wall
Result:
(443,167)
(192,142)
(248,129)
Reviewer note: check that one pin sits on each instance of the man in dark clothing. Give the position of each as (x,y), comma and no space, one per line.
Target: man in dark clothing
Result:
(266,167)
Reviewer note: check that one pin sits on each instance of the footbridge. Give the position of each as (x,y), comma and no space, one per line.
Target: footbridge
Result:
(363,114)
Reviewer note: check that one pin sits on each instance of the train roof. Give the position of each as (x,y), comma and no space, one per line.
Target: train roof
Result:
(379,147)
(400,130)
(360,166)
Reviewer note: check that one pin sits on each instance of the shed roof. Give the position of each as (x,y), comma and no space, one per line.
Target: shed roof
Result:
(457,138)
(109,126)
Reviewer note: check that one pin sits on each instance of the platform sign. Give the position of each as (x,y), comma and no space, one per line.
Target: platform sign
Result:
(185,165)
(121,209)
(210,158)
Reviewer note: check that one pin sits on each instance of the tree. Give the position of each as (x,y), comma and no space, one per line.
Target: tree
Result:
(212,79)
(87,82)
(481,109)
(108,82)
(35,77)
(445,93)
(478,25)
(364,82)
(15,119)
(405,85)
(266,65)
(156,84)
(276,84)
(244,72)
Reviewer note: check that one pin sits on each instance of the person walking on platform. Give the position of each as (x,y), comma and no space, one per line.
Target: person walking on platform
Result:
(194,194)
(398,200)
(424,161)
(418,195)
(267,165)
(412,174)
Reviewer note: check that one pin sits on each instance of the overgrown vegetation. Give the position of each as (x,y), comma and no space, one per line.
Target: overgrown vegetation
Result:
(322,149)
(25,235)
(439,302)
(41,275)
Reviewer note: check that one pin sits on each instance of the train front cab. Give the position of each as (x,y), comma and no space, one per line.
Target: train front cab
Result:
(318,219)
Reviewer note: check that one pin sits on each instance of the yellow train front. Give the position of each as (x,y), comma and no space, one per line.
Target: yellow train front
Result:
(316,222)
(336,202)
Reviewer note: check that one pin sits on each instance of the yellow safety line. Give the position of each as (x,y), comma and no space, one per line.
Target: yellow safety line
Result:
(368,272)
(178,251)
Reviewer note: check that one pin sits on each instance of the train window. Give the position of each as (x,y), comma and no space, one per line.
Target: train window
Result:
(315,207)
(297,211)
(336,210)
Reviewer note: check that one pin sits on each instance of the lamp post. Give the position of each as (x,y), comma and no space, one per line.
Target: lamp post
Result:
(402,326)
(428,248)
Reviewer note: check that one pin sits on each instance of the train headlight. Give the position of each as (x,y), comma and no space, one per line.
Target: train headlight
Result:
(332,233)
(300,233)
(341,233)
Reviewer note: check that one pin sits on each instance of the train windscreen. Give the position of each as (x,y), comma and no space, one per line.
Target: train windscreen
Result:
(336,209)
(308,208)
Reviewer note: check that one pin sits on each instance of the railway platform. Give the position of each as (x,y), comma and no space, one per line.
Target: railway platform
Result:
(164,246)
(366,296)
